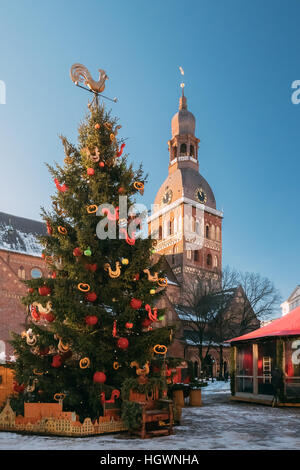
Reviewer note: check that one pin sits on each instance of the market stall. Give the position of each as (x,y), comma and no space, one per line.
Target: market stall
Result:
(265,364)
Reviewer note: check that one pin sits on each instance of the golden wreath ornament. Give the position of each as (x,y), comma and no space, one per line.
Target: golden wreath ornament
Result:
(160,349)
(92,209)
(59,396)
(84,363)
(162,281)
(83,287)
(139,185)
(62,230)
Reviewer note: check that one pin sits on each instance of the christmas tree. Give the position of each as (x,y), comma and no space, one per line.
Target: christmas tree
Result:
(88,327)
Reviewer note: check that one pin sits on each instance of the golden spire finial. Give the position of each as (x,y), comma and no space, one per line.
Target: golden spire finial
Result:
(182,85)
(182,100)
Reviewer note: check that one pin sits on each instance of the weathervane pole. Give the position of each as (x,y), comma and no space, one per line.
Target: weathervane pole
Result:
(182,85)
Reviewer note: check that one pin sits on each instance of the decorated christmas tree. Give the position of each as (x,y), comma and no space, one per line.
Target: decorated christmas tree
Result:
(89,326)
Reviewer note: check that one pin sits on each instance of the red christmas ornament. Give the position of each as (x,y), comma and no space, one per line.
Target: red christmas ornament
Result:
(114,330)
(97,126)
(123,343)
(61,187)
(91,296)
(99,377)
(34,313)
(135,303)
(90,171)
(49,228)
(49,317)
(77,252)
(121,190)
(147,322)
(129,325)
(44,290)
(18,388)
(101,164)
(53,275)
(136,277)
(30,290)
(56,361)
(91,320)
(119,153)
(110,215)
(91,267)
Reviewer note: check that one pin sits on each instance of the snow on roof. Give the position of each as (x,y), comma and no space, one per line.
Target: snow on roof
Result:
(171,283)
(19,234)
(288,325)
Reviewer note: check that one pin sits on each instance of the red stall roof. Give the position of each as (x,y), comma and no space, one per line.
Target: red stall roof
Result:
(288,325)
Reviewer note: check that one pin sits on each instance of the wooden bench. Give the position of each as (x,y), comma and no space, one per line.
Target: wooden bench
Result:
(157,415)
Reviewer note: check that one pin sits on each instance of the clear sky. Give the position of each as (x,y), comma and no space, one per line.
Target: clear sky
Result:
(240,59)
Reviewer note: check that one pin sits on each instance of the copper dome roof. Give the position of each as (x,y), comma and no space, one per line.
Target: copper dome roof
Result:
(185,182)
(183,122)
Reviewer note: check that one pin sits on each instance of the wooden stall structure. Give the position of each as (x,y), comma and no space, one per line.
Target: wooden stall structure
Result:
(265,364)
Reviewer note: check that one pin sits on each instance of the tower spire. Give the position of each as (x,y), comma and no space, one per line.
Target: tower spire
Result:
(182,99)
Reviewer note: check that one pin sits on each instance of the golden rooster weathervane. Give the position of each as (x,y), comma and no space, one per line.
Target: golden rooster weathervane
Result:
(80,74)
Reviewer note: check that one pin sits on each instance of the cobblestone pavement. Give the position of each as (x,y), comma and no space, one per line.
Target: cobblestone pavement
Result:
(218,424)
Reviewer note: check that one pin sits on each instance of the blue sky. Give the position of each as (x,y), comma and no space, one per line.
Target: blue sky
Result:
(239,58)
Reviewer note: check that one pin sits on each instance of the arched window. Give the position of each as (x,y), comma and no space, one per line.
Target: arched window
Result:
(192,151)
(212,232)
(183,149)
(196,255)
(21,272)
(216,261)
(171,227)
(207,231)
(174,152)
(209,259)
(218,234)
(160,232)
(198,227)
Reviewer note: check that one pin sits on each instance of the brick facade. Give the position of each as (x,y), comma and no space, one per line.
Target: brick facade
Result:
(13,268)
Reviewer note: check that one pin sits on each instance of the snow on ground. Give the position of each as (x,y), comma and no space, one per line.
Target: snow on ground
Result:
(219,424)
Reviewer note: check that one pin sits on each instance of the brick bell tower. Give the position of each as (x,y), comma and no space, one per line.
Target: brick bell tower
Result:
(184,219)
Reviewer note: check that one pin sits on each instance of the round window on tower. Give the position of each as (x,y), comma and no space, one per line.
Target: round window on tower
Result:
(36,273)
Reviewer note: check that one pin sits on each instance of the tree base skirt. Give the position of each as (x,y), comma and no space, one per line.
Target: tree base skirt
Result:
(49,419)
(115,427)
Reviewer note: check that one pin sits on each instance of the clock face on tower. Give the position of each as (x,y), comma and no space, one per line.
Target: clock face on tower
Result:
(167,197)
(200,195)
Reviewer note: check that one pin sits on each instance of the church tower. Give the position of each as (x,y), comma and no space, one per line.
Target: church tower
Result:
(184,220)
